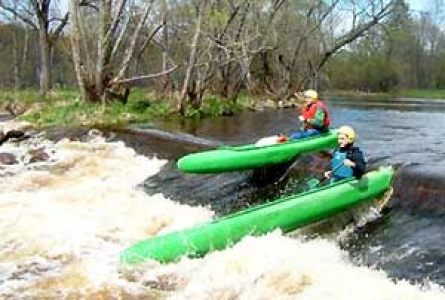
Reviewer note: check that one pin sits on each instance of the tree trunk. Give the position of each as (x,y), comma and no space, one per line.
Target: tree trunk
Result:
(103,50)
(45,69)
(75,46)
(165,51)
(185,86)
(41,9)
(15,58)
(19,63)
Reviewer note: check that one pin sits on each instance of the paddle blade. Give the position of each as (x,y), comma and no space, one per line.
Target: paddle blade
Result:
(313,183)
(267,141)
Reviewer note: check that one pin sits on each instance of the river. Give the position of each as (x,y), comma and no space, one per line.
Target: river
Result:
(65,221)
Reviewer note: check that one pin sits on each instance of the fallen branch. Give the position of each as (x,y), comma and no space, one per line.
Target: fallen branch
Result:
(127,80)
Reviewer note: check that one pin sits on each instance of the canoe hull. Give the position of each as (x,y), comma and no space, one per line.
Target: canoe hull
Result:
(287,213)
(230,159)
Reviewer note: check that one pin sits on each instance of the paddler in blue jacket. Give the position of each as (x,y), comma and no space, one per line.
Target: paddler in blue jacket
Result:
(347,160)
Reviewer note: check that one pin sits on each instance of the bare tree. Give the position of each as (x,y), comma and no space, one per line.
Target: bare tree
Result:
(377,13)
(42,16)
(230,36)
(103,55)
(19,60)
(166,49)
(314,40)
(247,39)
(181,105)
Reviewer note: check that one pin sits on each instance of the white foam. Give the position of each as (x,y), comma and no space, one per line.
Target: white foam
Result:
(65,222)
(278,267)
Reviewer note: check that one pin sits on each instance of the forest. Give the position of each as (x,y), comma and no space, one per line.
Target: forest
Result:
(184,51)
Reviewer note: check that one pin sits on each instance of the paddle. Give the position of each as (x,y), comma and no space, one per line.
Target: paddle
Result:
(293,161)
(315,182)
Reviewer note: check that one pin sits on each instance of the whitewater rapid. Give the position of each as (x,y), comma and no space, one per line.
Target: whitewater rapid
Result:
(64,222)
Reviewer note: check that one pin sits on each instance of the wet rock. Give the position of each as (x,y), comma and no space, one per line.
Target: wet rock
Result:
(228,112)
(8,159)
(17,135)
(38,155)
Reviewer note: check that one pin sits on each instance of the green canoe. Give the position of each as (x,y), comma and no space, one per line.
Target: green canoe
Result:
(229,159)
(288,214)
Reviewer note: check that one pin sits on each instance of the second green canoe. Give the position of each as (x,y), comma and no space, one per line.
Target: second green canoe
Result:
(288,214)
(238,158)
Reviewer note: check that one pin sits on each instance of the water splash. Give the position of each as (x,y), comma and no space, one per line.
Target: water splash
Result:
(275,267)
(65,221)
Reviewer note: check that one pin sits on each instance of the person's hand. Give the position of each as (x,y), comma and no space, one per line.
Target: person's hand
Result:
(349,163)
(282,138)
(301,118)
(328,174)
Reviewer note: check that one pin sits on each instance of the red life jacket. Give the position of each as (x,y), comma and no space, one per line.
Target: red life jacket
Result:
(308,112)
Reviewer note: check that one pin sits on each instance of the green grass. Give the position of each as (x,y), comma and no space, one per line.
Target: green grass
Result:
(64,107)
(422,93)
(358,94)
(406,93)
(27,96)
(78,112)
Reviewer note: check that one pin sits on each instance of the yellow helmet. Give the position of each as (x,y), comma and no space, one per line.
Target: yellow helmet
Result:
(311,94)
(348,131)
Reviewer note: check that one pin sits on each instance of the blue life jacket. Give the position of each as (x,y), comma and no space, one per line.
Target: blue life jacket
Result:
(339,173)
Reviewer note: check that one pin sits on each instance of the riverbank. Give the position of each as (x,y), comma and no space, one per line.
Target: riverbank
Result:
(64,107)
(426,94)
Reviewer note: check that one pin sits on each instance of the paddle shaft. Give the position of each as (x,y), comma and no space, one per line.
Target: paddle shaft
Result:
(337,167)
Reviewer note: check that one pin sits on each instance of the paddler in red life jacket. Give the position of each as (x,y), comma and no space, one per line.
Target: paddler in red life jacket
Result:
(347,160)
(314,117)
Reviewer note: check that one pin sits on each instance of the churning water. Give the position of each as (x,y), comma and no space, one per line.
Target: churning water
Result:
(65,220)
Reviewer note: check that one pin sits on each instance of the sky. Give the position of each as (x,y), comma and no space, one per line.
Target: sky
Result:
(417,4)
(414,4)
(64,5)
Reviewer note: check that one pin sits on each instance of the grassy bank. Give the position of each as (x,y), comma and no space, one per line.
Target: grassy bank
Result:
(63,107)
(356,94)
(424,94)
(402,93)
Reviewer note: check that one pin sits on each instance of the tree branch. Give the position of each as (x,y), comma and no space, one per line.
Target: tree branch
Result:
(132,48)
(16,14)
(59,28)
(151,76)
(149,38)
(354,34)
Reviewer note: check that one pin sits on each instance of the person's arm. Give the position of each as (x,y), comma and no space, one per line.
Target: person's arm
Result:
(302,120)
(318,120)
(328,174)
(357,158)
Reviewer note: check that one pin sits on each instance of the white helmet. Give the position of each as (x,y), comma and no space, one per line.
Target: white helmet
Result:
(311,94)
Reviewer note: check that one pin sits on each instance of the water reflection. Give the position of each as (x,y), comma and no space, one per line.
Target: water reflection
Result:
(386,133)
